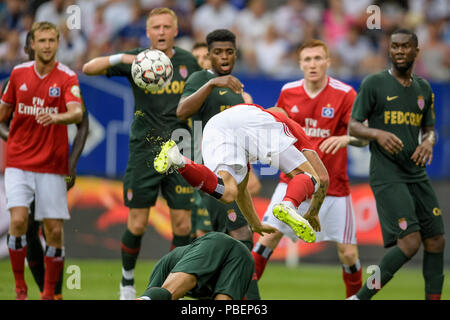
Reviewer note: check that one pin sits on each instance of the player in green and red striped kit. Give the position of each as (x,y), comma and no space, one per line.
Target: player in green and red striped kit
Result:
(399,107)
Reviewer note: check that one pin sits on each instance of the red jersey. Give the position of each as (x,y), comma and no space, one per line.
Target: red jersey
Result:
(325,115)
(31,146)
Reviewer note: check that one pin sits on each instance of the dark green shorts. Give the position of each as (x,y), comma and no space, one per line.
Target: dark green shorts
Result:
(224,217)
(200,215)
(141,185)
(404,208)
(221,264)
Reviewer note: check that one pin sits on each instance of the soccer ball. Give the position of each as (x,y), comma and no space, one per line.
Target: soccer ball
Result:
(151,70)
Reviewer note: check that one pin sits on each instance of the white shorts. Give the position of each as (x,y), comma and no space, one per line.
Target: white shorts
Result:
(337,218)
(245,134)
(48,190)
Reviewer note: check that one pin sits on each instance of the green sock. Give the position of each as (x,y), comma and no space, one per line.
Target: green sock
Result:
(392,261)
(179,241)
(433,273)
(131,244)
(156,293)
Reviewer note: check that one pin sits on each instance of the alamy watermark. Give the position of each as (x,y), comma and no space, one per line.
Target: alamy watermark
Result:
(73,281)
(374,280)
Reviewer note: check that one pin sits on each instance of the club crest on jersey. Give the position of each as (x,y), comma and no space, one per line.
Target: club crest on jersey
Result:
(327,112)
(54,92)
(232,215)
(402,223)
(183,72)
(420,102)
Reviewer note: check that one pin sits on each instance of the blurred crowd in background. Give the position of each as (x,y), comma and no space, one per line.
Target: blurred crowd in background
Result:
(269,32)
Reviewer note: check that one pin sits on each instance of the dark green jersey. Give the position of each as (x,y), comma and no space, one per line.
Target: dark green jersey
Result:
(401,110)
(155,111)
(218,100)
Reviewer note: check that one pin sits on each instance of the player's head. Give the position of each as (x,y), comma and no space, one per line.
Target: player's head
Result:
(27,47)
(162,28)
(403,49)
(44,41)
(200,52)
(222,50)
(314,60)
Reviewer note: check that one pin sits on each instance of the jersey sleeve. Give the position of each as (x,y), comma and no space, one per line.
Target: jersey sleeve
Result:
(281,102)
(364,101)
(193,83)
(8,91)
(429,115)
(347,105)
(72,91)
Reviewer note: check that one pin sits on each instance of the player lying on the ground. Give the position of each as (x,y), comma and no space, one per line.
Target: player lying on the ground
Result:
(206,268)
(243,134)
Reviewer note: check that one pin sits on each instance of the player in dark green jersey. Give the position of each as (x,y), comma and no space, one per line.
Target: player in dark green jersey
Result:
(207,93)
(35,251)
(399,108)
(214,266)
(154,121)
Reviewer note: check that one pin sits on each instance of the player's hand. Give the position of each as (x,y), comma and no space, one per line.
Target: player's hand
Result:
(45,118)
(423,154)
(313,220)
(128,58)
(263,228)
(228,81)
(334,143)
(389,141)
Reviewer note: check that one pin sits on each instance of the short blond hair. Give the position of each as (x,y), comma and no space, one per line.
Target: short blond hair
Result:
(43,25)
(312,44)
(159,11)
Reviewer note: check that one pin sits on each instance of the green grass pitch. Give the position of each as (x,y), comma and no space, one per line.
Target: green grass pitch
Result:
(100,281)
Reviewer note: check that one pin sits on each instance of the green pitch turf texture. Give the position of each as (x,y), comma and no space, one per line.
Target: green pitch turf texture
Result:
(100,281)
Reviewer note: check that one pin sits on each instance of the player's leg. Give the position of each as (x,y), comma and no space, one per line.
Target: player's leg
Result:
(181,227)
(351,267)
(54,256)
(400,227)
(432,231)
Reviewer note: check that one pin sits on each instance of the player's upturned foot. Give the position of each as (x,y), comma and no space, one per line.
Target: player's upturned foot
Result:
(169,157)
(127,292)
(21,293)
(300,225)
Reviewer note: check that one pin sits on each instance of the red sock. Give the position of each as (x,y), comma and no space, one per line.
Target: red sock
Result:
(260,264)
(353,282)
(433,296)
(53,269)
(17,258)
(199,176)
(299,189)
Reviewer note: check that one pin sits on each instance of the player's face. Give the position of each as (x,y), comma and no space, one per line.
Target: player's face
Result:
(314,63)
(402,51)
(201,54)
(161,31)
(45,45)
(223,56)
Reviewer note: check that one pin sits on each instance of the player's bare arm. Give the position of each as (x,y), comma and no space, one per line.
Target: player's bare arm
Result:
(334,143)
(74,114)
(4,131)
(253,185)
(424,152)
(278,109)
(78,145)
(389,141)
(99,65)
(245,203)
(5,112)
(191,104)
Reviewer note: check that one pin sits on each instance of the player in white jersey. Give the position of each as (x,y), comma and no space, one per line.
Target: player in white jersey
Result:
(322,106)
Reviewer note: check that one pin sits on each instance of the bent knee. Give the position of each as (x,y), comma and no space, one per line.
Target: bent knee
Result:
(435,244)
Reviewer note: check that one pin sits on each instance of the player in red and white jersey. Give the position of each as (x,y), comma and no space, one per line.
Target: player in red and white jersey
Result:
(44,96)
(322,106)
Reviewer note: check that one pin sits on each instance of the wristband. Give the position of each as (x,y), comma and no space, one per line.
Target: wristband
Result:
(115,59)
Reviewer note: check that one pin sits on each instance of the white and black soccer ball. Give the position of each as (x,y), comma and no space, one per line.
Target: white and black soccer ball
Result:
(152,70)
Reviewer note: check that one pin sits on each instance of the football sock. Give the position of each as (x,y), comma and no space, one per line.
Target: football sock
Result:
(300,188)
(156,293)
(35,254)
(433,273)
(352,276)
(261,254)
(54,265)
(130,247)
(392,261)
(179,241)
(199,176)
(17,247)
